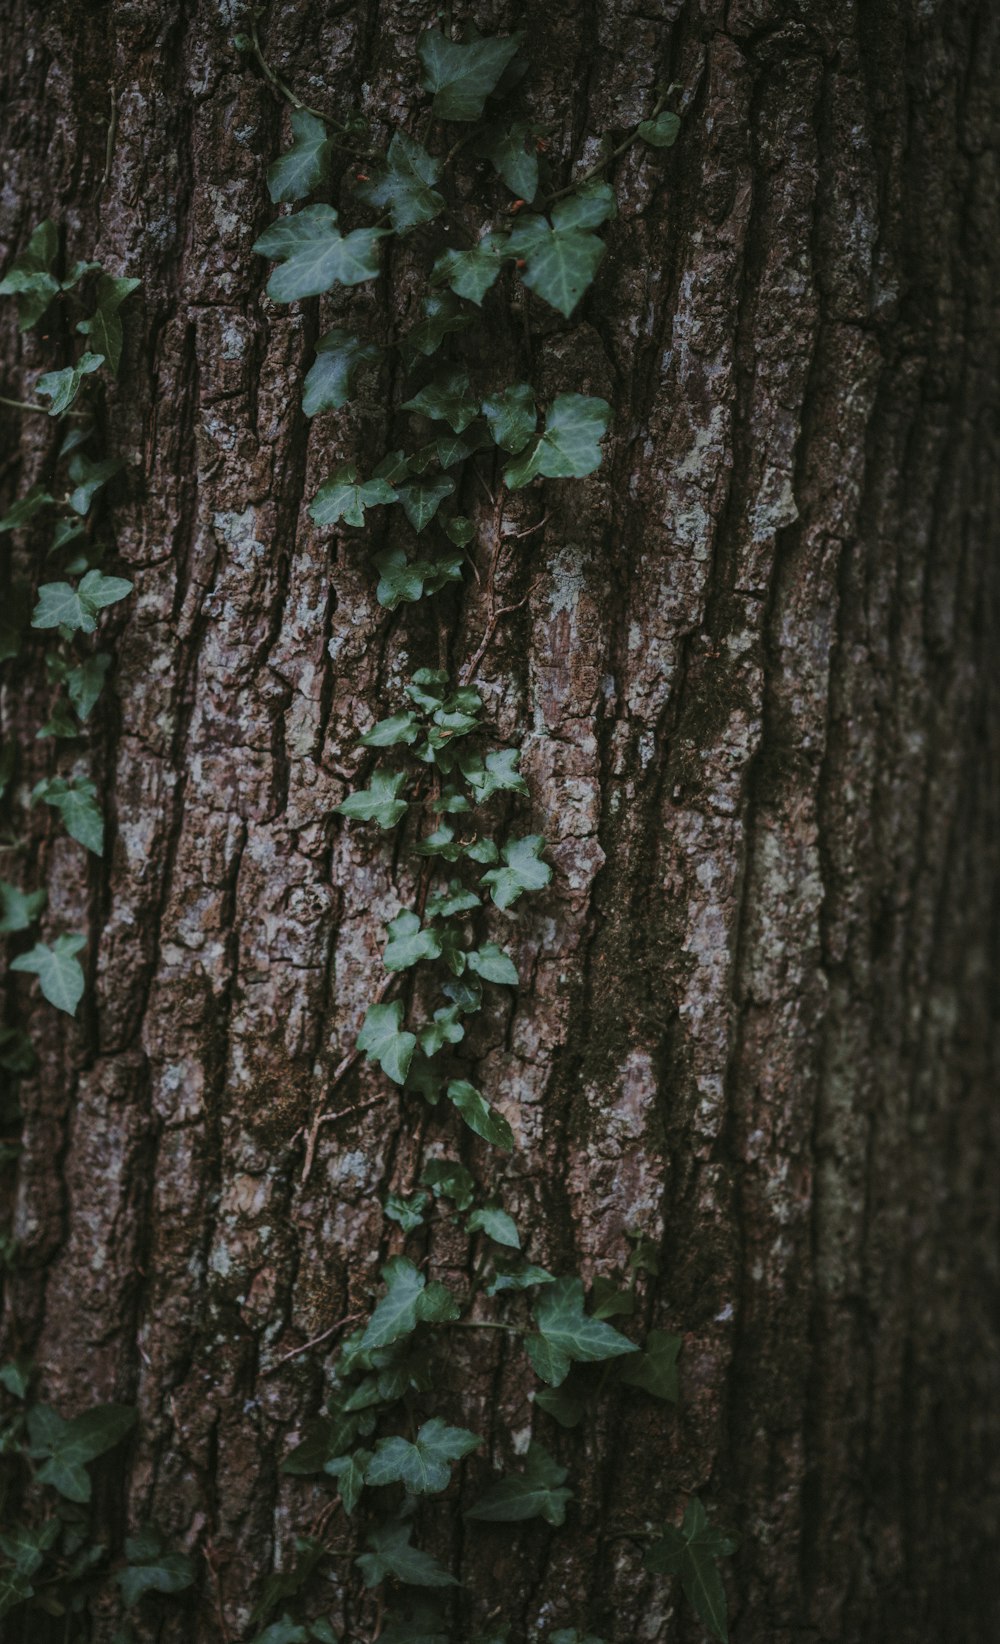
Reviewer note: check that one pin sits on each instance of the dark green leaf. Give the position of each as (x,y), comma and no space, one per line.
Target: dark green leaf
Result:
(85,683)
(515,1275)
(538,1492)
(479,1115)
(462,75)
(446,1029)
(409,942)
(570,446)
(493,965)
(403,581)
(460,530)
(330,379)
(391,1555)
(496,1224)
(19,909)
(314,255)
(471,273)
(30,278)
(497,774)
(88,478)
(561,1406)
(403,187)
(562,256)
(655,1368)
(442,316)
(62,387)
(59,973)
(306,165)
(76,804)
(351,1473)
(422,498)
(511,416)
(423,1467)
(25,508)
(383,1040)
(60,605)
(409,1213)
(104,327)
(283,1631)
(448,398)
(389,732)
(522,871)
(568,1329)
(548,1361)
(380,803)
(662,131)
(449,1180)
(152,1567)
(692,1553)
(518,166)
(70,1445)
(345,497)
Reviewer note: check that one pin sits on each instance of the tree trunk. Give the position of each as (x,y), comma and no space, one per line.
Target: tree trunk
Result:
(752,672)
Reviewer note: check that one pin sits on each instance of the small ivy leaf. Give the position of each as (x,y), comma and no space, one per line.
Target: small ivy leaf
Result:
(59,973)
(446,1029)
(393,467)
(330,379)
(547,1361)
(25,509)
(423,1081)
(422,498)
(403,188)
(60,605)
(449,450)
(462,75)
(62,387)
(483,851)
(493,965)
(455,900)
(692,1553)
(516,1275)
(567,1330)
(19,910)
(323,1633)
(468,996)
(408,1213)
(345,497)
(479,1115)
(351,1473)
(561,257)
(523,871)
(403,581)
(460,530)
(314,255)
(30,279)
(423,1467)
(396,1314)
(437,1305)
(324,1439)
(441,843)
(89,478)
(392,1555)
(76,803)
(645,1258)
(504,147)
(383,1040)
(152,1568)
(538,1492)
(661,132)
(69,1445)
(446,399)
(608,1302)
(498,773)
(442,316)
(471,273)
(283,1631)
(85,683)
(426,688)
(447,1179)
(570,446)
(380,803)
(511,416)
(104,327)
(389,732)
(561,1406)
(655,1369)
(306,165)
(16,1377)
(497,1225)
(409,942)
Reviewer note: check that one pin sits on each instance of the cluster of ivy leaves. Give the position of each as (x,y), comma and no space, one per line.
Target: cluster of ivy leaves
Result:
(66,597)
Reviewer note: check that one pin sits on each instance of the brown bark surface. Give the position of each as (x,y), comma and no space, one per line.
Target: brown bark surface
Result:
(755,684)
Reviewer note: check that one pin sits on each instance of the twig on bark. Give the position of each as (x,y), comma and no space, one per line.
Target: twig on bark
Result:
(296,1352)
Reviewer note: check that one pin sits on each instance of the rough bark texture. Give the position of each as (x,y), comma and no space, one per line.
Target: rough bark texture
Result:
(755,685)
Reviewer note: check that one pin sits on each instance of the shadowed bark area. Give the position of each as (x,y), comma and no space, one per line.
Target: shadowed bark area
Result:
(753,676)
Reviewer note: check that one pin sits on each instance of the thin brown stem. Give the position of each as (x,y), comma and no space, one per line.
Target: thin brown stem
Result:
(600,165)
(297,1352)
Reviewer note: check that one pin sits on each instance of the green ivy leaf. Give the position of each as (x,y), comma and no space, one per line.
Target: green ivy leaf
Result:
(306,165)
(76,803)
(60,605)
(446,1029)
(570,446)
(547,1361)
(25,508)
(19,909)
(30,278)
(314,255)
(388,733)
(522,870)
(692,1553)
(460,530)
(421,499)
(104,326)
(483,851)
(62,387)
(344,497)
(493,965)
(504,147)
(511,416)
(380,803)
(447,1179)
(384,1041)
(498,773)
(68,1446)
(330,379)
(283,1631)
(497,1225)
(561,1406)
(455,900)
(153,1568)
(471,273)
(662,131)
(561,257)
(442,316)
(655,1369)
(409,942)
(408,1213)
(448,398)
(462,74)
(403,581)
(511,1275)
(568,1331)
(59,973)
(441,842)
(403,188)
(423,1467)
(538,1492)
(85,682)
(608,1302)
(426,688)
(409,1301)
(351,1474)
(88,478)
(479,1115)
(392,1555)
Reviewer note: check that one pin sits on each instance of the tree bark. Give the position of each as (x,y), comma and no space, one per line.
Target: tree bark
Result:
(753,678)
